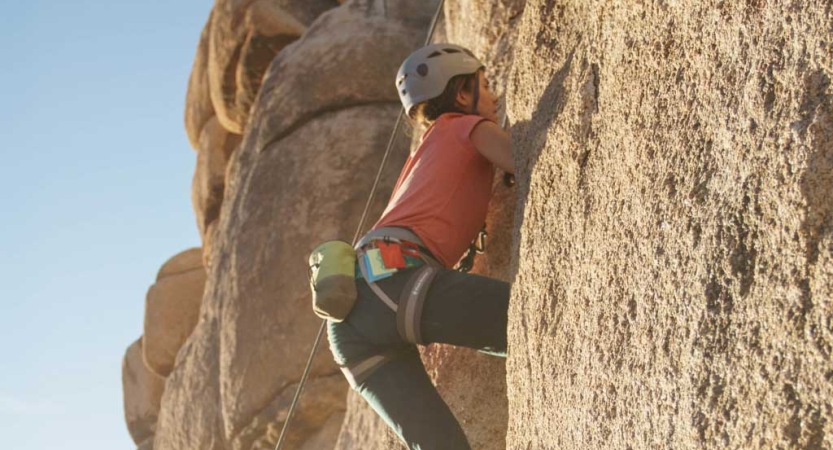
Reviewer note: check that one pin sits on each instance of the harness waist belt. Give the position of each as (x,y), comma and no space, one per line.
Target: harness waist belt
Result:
(390,233)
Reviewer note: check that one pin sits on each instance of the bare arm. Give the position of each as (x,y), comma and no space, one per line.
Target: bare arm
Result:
(494,144)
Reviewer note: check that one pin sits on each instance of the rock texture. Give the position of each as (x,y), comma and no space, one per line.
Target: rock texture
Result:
(309,137)
(142,395)
(172,309)
(215,147)
(363,429)
(669,238)
(237,44)
(473,384)
(675,168)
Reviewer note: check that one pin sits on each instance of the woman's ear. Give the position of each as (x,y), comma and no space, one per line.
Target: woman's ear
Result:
(463,99)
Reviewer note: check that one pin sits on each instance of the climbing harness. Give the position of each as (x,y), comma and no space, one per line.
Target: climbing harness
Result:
(315,344)
(411,300)
(400,236)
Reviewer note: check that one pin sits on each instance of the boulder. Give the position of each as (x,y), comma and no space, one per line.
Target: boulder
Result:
(237,43)
(488,28)
(187,420)
(312,426)
(208,243)
(172,309)
(281,200)
(471,383)
(674,220)
(271,331)
(324,438)
(243,39)
(339,63)
(670,248)
(142,390)
(216,146)
(198,107)
(293,185)
(182,262)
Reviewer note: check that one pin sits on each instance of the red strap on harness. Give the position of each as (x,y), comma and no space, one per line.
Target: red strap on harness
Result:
(392,255)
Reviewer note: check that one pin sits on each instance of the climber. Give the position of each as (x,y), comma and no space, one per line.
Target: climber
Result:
(407,292)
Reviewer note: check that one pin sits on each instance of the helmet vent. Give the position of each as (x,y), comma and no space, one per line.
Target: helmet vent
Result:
(422,69)
(451,50)
(434,55)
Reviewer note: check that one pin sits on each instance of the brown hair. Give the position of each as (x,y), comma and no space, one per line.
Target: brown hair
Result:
(428,111)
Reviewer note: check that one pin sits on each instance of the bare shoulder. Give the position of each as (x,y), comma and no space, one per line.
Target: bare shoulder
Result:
(486,130)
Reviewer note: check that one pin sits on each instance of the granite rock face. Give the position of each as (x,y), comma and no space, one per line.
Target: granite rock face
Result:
(142,395)
(171,310)
(471,383)
(474,384)
(669,237)
(215,147)
(241,40)
(673,237)
(237,44)
(306,182)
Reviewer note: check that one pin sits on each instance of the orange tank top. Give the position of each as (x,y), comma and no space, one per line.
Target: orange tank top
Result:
(444,189)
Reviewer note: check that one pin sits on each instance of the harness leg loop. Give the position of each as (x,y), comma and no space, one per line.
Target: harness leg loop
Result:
(411,302)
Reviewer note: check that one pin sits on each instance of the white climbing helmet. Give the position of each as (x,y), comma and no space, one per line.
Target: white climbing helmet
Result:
(425,74)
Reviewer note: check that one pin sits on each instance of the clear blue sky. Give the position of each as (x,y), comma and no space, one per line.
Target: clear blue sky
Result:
(96,174)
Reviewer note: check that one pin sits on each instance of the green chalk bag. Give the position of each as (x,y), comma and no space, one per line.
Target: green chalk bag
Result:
(333,280)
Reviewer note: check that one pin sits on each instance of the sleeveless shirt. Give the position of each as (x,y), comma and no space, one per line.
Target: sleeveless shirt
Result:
(444,189)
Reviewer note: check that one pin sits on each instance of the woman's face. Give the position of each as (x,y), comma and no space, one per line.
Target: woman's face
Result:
(487,104)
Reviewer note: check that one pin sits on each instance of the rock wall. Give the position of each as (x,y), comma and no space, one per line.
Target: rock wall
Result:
(473,384)
(288,104)
(142,395)
(673,228)
(668,237)
(172,307)
(236,46)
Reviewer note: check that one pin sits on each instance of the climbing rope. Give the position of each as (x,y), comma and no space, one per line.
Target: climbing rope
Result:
(384,162)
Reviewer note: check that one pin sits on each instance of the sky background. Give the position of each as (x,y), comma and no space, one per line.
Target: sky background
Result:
(95,198)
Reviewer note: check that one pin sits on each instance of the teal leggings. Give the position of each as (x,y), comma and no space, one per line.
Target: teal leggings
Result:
(460,309)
